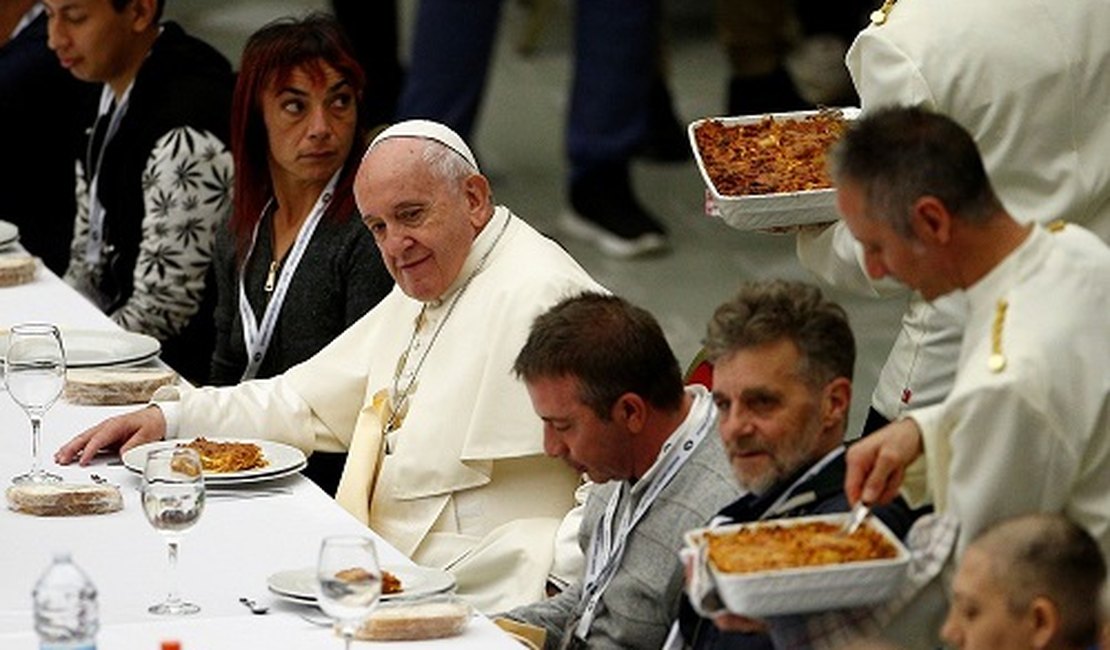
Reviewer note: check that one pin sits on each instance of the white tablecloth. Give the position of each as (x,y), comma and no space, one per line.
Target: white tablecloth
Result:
(228,554)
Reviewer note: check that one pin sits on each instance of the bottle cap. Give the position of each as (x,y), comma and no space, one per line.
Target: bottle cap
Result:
(171,645)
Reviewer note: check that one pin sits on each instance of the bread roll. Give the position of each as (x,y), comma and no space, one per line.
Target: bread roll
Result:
(16,268)
(64,499)
(101,386)
(413,620)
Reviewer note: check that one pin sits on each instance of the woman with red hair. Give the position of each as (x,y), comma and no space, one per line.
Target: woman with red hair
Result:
(295,266)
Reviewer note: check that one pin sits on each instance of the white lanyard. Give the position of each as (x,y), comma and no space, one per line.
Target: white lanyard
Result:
(257,337)
(27,19)
(607,547)
(787,500)
(95,243)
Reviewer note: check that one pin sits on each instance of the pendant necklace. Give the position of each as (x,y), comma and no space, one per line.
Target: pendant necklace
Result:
(907,392)
(399,397)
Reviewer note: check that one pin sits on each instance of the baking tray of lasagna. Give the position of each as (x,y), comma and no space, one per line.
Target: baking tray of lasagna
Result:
(768,172)
(804,564)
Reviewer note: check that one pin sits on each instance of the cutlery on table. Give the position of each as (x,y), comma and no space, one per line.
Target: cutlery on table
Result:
(253,605)
(217,493)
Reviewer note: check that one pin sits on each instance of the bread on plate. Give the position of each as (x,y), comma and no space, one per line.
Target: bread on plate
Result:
(100,386)
(64,499)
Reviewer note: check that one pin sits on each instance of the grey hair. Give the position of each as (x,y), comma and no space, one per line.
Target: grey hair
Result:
(446,163)
(771,311)
(897,154)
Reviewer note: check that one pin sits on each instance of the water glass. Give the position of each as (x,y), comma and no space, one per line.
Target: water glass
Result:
(34,374)
(173,500)
(348,581)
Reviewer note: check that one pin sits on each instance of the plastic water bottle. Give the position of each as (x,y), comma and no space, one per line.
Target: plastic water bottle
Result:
(65,607)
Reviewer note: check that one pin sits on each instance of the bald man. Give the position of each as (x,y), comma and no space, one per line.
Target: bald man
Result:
(1031,582)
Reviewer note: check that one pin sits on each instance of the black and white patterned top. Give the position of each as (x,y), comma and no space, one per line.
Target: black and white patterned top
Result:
(186,195)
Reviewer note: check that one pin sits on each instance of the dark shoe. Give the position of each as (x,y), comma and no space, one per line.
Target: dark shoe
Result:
(772,93)
(604,211)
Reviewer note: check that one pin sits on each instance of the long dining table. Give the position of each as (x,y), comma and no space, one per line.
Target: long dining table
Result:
(239,541)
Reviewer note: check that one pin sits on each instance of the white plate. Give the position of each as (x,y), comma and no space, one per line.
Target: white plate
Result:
(100,348)
(299,585)
(284,460)
(9,234)
(767,211)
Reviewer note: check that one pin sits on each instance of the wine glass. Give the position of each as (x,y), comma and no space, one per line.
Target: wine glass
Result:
(173,498)
(35,373)
(348,581)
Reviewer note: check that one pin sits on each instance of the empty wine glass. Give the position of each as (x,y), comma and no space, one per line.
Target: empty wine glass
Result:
(35,373)
(348,581)
(173,499)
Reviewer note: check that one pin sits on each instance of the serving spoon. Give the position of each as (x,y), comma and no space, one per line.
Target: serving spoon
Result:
(860,512)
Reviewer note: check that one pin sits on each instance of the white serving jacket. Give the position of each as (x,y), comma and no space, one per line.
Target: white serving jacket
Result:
(466,486)
(1034,437)
(1027,79)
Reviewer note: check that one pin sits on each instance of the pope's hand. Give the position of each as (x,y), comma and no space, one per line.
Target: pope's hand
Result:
(123,431)
(877,463)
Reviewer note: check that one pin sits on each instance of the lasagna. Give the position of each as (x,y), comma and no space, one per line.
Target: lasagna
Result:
(391,584)
(770,156)
(768,547)
(223,457)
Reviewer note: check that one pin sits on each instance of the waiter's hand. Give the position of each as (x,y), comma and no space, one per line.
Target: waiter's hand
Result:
(123,431)
(877,463)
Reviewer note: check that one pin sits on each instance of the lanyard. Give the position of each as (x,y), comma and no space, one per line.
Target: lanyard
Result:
(607,547)
(27,19)
(257,336)
(787,500)
(95,243)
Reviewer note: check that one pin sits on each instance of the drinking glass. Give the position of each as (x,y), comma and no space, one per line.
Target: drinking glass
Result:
(173,498)
(35,373)
(348,581)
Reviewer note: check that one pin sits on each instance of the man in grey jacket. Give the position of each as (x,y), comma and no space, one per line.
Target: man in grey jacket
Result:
(609,391)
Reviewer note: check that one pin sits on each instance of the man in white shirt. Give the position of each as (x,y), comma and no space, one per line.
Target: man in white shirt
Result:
(445,458)
(1025,426)
(1027,79)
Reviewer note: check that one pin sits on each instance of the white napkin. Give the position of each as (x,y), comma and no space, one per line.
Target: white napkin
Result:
(700,586)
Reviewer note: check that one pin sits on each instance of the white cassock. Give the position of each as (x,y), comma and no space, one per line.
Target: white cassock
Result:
(462,483)
(1029,429)
(1023,77)
(1030,434)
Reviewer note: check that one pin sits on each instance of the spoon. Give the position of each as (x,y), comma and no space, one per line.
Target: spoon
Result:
(860,512)
(254,606)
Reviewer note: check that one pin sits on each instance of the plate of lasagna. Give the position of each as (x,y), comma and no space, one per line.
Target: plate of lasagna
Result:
(229,461)
(804,564)
(399,583)
(767,172)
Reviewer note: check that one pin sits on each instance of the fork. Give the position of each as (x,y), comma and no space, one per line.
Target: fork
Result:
(248,494)
(860,512)
(320,621)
